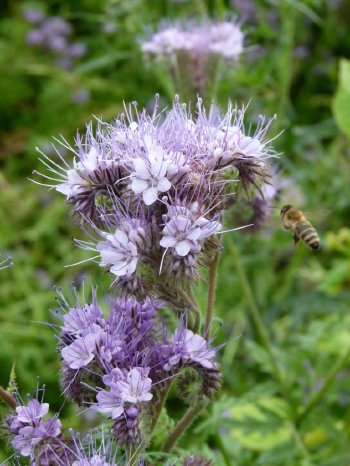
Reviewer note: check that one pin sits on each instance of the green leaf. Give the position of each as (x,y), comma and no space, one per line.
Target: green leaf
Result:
(260,425)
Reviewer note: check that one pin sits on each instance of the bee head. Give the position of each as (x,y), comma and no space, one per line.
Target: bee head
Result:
(285,209)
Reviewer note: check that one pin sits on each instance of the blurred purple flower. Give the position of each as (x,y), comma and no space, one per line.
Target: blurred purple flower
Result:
(35,37)
(34,16)
(77,50)
(204,39)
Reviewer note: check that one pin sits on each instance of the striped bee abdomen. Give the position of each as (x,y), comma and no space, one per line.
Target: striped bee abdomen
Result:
(307,233)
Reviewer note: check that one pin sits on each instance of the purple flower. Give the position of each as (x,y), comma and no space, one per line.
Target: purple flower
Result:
(82,318)
(155,187)
(33,412)
(120,251)
(34,16)
(81,96)
(58,26)
(77,178)
(203,39)
(27,439)
(184,231)
(133,387)
(149,176)
(31,433)
(110,402)
(95,460)
(77,49)
(226,39)
(35,37)
(190,347)
(79,353)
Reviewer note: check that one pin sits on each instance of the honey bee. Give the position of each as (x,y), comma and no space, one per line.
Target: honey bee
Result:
(293,219)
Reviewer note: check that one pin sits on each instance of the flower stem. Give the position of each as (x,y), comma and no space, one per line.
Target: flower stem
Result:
(211,295)
(256,318)
(7,398)
(316,397)
(181,426)
(160,404)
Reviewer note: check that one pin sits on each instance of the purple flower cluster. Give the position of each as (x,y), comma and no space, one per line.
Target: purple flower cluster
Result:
(191,51)
(152,191)
(116,363)
(45,444)
(35,438)
(52,33)
(222,38)
(154,188)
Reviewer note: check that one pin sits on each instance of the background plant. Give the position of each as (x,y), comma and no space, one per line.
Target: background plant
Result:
(307,324)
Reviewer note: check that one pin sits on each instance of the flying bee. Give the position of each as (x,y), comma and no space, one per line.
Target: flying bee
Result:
(293,219)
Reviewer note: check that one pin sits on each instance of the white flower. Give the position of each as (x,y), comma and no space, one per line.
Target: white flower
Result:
(77,178)
(226,39)
(149,176)
(119,252)
(196,349)
(95,460)
(184,233)
(189,346)
(136,387)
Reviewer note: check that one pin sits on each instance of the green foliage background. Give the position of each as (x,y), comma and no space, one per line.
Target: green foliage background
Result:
(294,66)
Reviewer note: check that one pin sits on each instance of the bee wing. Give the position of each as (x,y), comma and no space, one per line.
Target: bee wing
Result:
(317,215)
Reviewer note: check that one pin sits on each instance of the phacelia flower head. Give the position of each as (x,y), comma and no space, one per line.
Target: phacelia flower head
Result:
(155,187)
(34,437)
(202,39)
(192,51)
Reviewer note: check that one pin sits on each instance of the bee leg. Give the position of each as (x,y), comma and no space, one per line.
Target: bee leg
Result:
(296,239)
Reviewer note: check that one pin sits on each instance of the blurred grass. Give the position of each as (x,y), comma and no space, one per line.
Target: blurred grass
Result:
(304,298)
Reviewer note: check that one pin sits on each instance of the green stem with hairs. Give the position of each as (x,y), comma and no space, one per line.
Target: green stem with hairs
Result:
(160,405)
(211,295)
(180,427)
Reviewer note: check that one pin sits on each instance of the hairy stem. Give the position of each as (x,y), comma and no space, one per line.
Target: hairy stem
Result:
(256,318)
(317,397)
(197,312)
(160,404)
(211,295)
(8,398)
(180,427)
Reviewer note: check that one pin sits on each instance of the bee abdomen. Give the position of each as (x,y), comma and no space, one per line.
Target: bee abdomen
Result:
(307,233)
